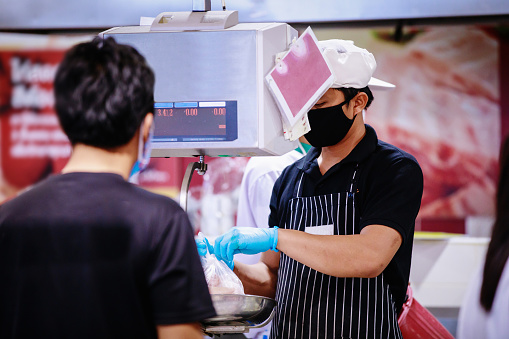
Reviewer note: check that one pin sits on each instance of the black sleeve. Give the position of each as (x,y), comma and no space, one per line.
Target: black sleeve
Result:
(394,197)
(177,285)
(275,207)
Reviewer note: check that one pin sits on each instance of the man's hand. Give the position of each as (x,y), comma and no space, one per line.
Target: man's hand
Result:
(203,246)
(246,240)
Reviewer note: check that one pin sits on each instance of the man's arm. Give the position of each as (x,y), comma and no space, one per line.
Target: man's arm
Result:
(363,255)
(178,291)
(188,331)
(260,278)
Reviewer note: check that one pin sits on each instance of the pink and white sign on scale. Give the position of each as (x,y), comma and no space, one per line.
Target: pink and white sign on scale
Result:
(300,78)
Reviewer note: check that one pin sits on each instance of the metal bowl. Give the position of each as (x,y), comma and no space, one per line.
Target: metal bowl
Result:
(241,310)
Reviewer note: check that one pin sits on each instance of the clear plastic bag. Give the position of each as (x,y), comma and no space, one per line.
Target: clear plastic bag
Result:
(220,278)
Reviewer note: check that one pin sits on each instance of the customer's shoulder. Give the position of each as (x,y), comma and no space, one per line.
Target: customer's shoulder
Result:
(151,199)
(84,187)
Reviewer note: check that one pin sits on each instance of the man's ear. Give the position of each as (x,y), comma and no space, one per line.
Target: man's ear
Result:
(147,125)
(360,101)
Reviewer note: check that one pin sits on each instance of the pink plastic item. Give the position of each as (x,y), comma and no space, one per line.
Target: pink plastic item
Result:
(415,321)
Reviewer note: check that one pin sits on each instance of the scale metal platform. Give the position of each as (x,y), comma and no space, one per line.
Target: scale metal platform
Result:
(238,313)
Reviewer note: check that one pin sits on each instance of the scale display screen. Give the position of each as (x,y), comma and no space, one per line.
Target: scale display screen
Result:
(195,121)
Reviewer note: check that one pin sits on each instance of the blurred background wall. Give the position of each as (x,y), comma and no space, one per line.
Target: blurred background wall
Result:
(449,107)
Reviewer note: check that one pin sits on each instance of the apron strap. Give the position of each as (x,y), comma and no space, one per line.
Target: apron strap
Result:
(297,192)
(353,183)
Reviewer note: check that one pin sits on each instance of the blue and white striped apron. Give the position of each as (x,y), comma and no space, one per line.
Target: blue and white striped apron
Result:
(316,305)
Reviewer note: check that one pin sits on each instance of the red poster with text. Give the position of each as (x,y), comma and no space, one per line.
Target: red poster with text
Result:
(32,144)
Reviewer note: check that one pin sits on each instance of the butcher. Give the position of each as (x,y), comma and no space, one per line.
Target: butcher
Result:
(337,253)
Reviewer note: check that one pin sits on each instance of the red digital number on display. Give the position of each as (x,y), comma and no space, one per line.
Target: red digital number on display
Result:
(165,112)
(192,111)
(219,111)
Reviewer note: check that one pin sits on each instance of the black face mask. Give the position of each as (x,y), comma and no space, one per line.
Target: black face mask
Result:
(328,125)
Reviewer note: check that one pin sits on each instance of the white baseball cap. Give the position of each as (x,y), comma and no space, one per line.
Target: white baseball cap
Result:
(352,66)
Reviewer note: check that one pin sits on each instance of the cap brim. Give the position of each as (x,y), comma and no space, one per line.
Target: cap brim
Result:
(377,84)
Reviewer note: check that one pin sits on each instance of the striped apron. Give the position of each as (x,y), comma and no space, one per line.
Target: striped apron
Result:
(315,305)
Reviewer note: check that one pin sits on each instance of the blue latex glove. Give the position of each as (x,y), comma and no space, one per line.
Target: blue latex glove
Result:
(246,240)
(203,246)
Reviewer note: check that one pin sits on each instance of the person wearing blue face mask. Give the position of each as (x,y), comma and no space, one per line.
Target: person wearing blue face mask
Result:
(144,149)
(85,253)
(337,253)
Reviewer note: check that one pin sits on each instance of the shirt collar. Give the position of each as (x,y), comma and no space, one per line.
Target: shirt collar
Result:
(306,148)
(362,150)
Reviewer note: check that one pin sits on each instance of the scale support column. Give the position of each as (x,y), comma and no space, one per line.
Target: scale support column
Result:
(201,168)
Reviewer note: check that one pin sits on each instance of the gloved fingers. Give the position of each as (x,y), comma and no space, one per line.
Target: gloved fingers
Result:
(225,244)
(209,246)
(231,249)
(221,245)
(217,246)
(201,246)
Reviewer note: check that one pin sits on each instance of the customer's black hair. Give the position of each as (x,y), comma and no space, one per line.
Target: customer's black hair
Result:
(498,249)
(103,91)
(350,93)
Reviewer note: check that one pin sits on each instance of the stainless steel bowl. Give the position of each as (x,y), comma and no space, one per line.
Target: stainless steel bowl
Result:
(241,310)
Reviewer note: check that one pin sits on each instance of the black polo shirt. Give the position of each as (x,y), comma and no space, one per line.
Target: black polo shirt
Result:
(89,255)
(388,189)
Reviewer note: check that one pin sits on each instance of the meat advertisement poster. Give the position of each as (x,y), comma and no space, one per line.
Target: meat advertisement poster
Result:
(446,111)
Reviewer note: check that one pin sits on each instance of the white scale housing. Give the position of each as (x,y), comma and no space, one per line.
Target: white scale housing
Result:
(205,73)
